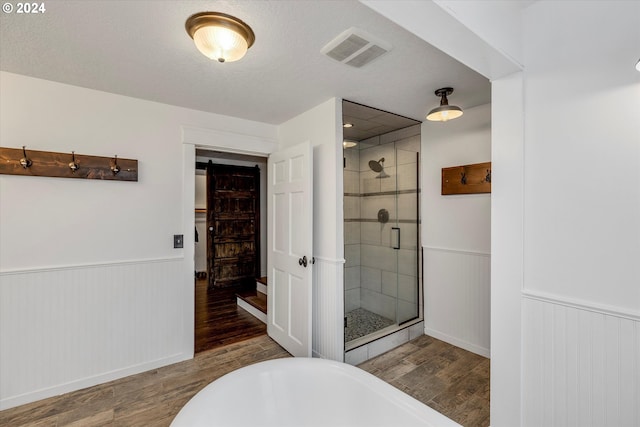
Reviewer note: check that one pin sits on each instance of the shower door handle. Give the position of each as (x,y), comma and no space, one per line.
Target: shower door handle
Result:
(395,237)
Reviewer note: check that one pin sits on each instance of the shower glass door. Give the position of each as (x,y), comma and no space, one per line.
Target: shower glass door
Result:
(405,234)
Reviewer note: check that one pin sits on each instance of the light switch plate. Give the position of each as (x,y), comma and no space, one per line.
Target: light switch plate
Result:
(178,241)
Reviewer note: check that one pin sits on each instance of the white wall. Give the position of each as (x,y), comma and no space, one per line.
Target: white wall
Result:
(576,236)
(91,287)
(456,234)
(507,222)
(321,127)
(581,298)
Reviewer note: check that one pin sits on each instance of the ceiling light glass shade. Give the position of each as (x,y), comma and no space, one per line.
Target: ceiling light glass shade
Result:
(220,37)
(445,111)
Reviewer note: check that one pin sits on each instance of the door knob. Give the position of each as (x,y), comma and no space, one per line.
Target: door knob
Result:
(303,261)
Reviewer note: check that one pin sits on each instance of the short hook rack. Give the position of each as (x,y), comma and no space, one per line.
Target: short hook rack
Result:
(14,161)
(467,179)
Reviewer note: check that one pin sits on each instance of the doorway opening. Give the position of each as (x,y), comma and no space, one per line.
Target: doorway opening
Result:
(230,249)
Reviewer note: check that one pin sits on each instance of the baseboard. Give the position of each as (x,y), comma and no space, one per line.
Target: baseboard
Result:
(485,352)
(57,390)
(252,310)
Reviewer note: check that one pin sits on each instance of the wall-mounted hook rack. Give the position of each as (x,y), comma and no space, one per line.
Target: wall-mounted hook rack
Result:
(14,161)
(467,179)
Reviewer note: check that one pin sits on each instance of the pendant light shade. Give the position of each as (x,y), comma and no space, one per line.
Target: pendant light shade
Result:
(219,36)
(445,111)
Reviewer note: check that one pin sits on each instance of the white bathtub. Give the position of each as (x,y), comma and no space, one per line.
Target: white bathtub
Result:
(304,392)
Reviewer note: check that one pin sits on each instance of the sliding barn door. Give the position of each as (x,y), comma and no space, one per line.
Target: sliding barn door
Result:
(289,241)
(233,222)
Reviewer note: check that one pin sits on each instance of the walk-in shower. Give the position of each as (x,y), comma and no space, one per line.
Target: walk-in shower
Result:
(382,268)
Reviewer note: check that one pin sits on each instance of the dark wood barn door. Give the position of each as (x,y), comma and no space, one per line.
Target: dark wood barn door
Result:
(233,224)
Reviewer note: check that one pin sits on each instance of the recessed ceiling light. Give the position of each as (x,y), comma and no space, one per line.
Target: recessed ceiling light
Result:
(347,125)
(348,143)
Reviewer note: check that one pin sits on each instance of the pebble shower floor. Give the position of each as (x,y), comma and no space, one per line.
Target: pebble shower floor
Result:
(361,322)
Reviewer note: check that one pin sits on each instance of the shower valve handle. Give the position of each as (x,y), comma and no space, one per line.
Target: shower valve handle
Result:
(303,261)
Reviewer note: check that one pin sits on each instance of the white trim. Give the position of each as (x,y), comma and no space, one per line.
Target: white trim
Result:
(582,305)
(458,342)
(230,142)
(457,251)
(56,390)
(89,265)
(251,310)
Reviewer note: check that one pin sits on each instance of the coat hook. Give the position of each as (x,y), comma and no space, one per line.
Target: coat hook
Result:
(463,179)
(25,161)
(73,165)
(114,167)
(487,178)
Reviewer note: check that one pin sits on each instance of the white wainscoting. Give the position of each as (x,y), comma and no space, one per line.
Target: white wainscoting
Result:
(66,328)
(328,309)
(457,294)
(581,364)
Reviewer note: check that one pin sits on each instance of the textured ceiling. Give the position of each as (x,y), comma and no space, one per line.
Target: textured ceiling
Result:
(141,49)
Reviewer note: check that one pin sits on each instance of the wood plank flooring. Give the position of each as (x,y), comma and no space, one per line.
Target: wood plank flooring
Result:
(218,319)
(449,379)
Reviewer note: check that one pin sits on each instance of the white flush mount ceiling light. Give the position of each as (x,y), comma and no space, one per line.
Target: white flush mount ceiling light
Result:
(219,36)
(445,111)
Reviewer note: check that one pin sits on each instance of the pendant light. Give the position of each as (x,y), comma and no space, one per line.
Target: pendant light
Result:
(219,36)
(445,111)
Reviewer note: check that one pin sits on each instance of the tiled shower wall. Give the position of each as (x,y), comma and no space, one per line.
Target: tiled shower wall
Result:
(374,279)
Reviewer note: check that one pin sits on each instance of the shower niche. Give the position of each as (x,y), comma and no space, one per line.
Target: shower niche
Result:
(383,291)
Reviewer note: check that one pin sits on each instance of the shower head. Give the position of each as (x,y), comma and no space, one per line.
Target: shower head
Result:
(376,166)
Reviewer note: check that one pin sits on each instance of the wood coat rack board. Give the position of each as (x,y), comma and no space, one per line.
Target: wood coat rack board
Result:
(467,179)
(21,161)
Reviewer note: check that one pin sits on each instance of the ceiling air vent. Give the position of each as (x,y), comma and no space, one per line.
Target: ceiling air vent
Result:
(355,47)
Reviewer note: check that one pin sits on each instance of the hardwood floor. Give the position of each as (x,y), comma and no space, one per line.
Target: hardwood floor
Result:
(447,378)
(219,321)
(152,398)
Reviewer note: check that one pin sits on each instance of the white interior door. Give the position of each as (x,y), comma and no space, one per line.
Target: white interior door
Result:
(289,257)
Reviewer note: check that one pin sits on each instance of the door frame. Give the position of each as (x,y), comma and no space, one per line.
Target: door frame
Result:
(215,140)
